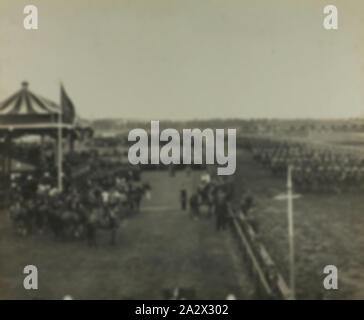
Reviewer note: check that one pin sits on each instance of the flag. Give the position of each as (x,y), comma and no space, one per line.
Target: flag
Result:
(68,109)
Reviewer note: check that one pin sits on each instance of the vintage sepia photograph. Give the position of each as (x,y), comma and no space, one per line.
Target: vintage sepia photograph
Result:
(181,150)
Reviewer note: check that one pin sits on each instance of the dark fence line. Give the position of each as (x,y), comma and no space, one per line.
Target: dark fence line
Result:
(269,282)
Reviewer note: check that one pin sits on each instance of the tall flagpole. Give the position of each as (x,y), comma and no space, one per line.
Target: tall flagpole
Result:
(60,152)
(291,233)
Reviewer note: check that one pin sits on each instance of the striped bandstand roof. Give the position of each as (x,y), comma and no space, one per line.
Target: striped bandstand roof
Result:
(25,102)
(25,109)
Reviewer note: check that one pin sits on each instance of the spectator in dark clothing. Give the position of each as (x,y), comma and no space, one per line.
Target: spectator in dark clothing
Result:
(183,197)
(221,210)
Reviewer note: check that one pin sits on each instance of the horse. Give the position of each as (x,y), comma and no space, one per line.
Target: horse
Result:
(104,218)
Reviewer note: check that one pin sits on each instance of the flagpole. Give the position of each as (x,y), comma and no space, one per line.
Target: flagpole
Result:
(291,233)
(60,152)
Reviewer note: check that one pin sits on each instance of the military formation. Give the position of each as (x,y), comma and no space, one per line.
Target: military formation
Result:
(96,199)
(314,169)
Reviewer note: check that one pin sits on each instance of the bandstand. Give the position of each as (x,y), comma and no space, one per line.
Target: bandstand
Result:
(26,113)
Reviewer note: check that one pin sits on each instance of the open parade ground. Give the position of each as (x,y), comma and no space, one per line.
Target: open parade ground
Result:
(161,248)
(157,250)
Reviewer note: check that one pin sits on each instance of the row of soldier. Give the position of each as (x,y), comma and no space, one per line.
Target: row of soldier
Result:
(314,169)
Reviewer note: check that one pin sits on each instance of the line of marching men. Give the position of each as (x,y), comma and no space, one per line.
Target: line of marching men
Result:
(314,169)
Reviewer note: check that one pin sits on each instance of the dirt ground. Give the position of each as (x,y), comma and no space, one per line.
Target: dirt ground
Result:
(159,248)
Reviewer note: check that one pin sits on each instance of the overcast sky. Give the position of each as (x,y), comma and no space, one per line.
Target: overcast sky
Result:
(157,59)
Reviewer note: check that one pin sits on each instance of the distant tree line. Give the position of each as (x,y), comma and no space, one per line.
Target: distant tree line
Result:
(294,126)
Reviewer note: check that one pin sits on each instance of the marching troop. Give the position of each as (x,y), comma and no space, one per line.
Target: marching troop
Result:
(314,169)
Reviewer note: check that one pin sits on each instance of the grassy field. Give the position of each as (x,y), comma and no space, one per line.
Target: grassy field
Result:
(328,230)
(158,249)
